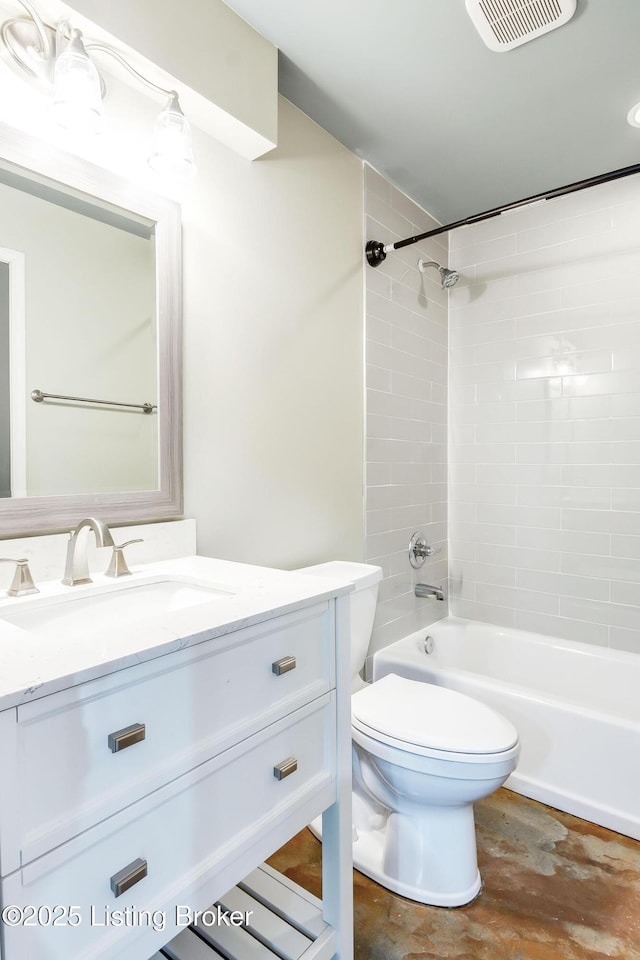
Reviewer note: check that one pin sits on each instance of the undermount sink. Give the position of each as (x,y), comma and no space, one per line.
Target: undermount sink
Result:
(104,608)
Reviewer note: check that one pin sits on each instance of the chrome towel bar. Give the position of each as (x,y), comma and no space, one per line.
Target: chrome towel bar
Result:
(38,396)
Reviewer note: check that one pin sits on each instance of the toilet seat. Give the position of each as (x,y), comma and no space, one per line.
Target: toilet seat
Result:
(430,721)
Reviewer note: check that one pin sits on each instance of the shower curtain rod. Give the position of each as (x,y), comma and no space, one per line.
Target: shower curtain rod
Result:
(377,251)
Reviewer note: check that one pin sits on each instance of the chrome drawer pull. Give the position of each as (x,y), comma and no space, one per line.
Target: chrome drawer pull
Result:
(126,737)
(286,768)
(126,878)
(283,665)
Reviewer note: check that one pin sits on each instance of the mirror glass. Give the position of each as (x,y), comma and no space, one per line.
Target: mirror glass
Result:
(89,343)
(77,302)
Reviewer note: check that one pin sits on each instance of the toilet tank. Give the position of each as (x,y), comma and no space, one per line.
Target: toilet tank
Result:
(365,577)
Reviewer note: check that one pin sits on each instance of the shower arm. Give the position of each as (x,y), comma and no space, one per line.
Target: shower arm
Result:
(377,252)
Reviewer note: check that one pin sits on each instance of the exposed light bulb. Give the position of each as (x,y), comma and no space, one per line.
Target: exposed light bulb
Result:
(172,153)
(77,89)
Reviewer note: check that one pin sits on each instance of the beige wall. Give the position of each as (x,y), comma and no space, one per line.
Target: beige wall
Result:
(273,350)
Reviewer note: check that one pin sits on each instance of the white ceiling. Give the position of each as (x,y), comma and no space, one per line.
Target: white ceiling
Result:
(410,86)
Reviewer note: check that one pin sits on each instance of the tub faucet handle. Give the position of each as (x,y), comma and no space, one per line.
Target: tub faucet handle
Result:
(419,550)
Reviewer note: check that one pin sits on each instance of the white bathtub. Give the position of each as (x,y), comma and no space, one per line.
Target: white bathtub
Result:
(576,708)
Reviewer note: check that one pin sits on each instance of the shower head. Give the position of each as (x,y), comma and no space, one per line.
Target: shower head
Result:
(448,278)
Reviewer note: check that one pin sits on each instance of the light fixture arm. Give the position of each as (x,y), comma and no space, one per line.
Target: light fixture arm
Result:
(51,41)
(42,28)
(104,48)
(31,43)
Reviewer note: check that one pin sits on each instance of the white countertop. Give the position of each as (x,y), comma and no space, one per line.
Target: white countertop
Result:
(33,665)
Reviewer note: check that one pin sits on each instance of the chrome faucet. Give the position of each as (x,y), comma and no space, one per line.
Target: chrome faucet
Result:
(77,566)
(427,592)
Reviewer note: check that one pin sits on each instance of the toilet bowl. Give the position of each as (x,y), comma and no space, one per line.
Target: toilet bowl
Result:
(422,755)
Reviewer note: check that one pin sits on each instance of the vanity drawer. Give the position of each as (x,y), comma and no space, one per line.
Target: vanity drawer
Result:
(165,717)
(194,835)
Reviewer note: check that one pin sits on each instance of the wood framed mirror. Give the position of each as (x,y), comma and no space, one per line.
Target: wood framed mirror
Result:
(90,341)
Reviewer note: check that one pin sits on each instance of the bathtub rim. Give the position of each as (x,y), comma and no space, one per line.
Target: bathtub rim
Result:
(539,639)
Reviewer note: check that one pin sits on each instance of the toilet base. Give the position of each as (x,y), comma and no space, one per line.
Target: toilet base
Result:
(369,847)
(368,858)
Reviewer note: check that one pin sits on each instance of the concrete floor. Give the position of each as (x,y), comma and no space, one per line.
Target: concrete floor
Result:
(555,888)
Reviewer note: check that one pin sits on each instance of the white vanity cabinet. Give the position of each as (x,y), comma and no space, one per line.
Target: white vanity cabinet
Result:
(174,778)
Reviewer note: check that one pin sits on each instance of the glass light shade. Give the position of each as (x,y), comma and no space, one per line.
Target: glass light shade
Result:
(172,153)
(77,90)
(633,117)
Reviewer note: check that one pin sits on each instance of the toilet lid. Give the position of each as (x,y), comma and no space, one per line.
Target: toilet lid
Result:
(425,715)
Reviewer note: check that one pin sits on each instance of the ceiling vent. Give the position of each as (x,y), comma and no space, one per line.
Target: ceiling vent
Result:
(505,24)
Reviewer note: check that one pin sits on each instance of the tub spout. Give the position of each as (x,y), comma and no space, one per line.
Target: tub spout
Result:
(427,592)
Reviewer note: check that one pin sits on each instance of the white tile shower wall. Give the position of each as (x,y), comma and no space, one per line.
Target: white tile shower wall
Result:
(406,433)
(545,418)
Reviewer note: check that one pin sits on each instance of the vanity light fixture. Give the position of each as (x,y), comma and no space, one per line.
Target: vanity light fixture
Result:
(172,152)
(77,89)
(59,58)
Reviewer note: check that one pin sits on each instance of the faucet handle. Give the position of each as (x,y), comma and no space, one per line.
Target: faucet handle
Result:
(22,583)
(419,550)
(118,565)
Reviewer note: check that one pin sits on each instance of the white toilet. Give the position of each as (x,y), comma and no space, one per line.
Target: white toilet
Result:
(422,755)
